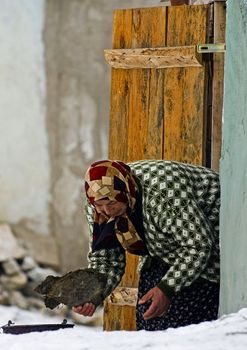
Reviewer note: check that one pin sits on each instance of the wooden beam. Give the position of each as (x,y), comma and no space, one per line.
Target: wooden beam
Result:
(218,84)
(160,57)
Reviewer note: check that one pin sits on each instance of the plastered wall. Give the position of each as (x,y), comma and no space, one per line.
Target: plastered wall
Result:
(54,108)
(24,160)
(233,169)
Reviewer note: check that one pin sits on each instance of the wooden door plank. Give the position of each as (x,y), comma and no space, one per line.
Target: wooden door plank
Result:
(187,25)
(184,88)
(119,114)
(120,317)
(143,100)
(148,30)
(122,29)
(120,87)
(144,121)
(138,111)
(146,114)
(154,140)
(118,145)
(137,128)
(149,27)
(184,108)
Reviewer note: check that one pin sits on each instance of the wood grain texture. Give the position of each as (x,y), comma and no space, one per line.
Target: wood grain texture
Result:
(184,88)
(122,29)
(187,25)
(119,114)
(162,57)
(149,27)
(119,317)
(124,296)
(155,113)
(136,120)
(146,119)
(120,88)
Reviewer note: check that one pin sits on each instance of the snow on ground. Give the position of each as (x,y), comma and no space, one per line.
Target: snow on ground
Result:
(227,333)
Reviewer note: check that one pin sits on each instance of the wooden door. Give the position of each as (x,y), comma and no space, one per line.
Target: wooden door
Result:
(156,113)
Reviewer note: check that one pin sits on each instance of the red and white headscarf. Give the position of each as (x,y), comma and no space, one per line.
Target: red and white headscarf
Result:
(113,180)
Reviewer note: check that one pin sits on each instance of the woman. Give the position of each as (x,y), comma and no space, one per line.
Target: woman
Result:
(168,213)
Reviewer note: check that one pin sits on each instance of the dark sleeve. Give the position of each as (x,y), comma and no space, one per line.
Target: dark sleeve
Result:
(108,261)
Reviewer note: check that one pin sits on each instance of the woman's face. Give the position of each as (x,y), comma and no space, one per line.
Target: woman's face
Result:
(111,208)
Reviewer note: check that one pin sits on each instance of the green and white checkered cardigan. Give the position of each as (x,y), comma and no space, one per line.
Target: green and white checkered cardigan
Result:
(181,220)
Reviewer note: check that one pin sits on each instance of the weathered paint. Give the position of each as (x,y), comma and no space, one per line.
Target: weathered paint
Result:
(233,169)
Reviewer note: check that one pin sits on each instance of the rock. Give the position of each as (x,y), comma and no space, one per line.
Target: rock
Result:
(28,263)
(74,288)
(17,281)
(35,303)
(17,299)
(38,274)
(9,245)
(4,297)
(11,267)
(41,247)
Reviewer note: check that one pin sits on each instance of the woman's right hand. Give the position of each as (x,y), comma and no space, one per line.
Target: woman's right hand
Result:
(86,309)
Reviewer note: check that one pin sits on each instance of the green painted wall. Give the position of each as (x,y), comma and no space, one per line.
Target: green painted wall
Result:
(233,170)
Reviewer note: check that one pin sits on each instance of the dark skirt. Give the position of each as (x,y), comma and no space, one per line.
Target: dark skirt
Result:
(194,304)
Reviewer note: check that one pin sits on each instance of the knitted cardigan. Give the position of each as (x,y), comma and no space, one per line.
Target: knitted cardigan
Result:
(180,205)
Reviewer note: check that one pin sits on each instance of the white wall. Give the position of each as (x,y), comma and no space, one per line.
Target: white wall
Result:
(24,166)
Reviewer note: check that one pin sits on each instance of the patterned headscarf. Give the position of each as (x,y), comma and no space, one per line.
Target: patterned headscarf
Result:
(113,180)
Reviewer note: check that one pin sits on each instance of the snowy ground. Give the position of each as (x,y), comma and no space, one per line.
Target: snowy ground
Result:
(227,333)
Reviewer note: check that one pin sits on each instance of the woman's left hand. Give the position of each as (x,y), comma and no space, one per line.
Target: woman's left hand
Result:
(159,306)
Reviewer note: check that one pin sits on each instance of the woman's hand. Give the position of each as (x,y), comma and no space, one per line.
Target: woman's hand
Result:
(86,310)
(159,306)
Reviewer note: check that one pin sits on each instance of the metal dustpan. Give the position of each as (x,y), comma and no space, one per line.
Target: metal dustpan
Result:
(11,328)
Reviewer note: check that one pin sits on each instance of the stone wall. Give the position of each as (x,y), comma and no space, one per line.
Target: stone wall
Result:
(233,169)
(20,274)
